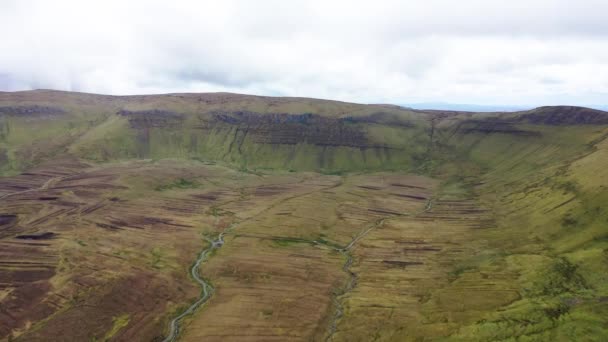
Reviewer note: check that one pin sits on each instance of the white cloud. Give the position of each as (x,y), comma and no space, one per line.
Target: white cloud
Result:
(520,52)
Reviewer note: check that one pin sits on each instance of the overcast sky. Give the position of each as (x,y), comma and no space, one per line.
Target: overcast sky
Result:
(513,52)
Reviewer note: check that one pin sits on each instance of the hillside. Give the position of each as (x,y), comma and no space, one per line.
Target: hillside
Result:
(247,131)
(314,220)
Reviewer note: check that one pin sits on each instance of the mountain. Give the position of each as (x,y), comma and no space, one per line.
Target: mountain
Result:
(223,216)
(249,131)
(480,108)
(465,107)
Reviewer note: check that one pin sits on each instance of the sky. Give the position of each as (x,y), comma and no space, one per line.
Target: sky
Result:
(486,52)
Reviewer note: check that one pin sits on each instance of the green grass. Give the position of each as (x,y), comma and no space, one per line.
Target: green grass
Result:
(25,142)
(287,242)
(118,323)
(157,256)
(551,234)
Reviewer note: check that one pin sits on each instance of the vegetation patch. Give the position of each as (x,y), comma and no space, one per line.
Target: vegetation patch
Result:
(157,256)
(561,277)
(118,323)
(287,241)
(180,183)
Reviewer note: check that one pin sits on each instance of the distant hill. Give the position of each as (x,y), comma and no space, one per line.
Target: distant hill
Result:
(465,107)
(479,108)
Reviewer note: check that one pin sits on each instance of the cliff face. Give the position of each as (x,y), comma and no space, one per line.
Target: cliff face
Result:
(246,131)
(297,141)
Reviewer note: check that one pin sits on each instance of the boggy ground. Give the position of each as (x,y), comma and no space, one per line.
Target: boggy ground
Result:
(102,252)
(356,259)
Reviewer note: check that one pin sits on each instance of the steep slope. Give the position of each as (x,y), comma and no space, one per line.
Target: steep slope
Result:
(535,170)
(246,131)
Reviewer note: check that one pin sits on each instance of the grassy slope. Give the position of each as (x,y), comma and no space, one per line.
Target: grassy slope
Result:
(550,241)
(92,130)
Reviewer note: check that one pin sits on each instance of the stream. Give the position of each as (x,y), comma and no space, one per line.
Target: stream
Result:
(207,289)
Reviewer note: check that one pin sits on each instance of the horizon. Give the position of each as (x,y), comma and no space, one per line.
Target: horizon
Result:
(430,105)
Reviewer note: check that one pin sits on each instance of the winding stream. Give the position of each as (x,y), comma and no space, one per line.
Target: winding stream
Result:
(352,281)
(339,312)
(207,289)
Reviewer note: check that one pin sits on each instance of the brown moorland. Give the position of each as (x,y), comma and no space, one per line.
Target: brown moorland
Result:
(320,220)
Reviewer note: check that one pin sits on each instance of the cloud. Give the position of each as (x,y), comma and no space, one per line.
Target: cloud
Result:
(470,51)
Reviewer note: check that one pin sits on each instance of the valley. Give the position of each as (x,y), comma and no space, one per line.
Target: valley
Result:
(312,220)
